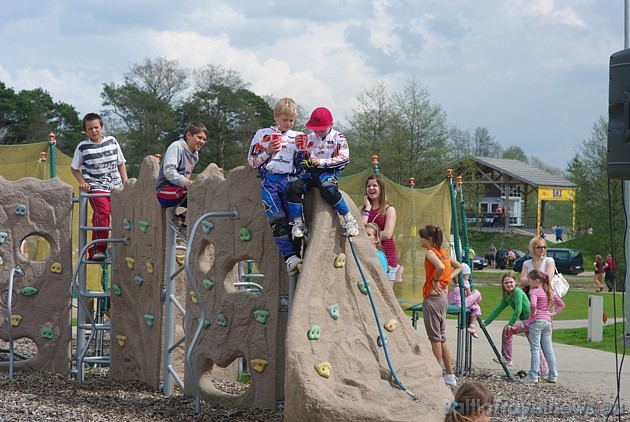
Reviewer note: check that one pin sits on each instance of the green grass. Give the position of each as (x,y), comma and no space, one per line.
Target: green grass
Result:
(579,337)
(576,304)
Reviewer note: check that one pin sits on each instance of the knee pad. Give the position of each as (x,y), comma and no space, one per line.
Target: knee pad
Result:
(280,227)
(330,191)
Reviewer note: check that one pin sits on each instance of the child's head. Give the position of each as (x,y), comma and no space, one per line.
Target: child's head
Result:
(320,122)
(375,188)
(284,113)
(473,402)
(431,235)
(465,271)
(93,126)
(508,283)
(374,233)
(195,136)
(540,279)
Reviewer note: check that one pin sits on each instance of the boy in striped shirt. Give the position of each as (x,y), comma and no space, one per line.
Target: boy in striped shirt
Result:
(99,166)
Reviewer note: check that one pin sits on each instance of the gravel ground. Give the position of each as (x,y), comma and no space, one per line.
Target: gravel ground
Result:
(44,396)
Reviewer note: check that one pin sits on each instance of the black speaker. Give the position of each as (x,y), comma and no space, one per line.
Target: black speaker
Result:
(619,116)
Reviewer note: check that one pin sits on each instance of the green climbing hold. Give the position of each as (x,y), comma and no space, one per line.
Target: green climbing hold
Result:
(362,287)
(206,323)
(144,225)
(244,234)
(314,333)
(116,289)
(261,315)
(29,290)
(149,319)
(333,311)
(47,333)
(222,320)
(207,226)
(208,284)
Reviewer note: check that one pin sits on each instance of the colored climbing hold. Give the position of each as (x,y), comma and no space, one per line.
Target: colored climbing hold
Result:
(116,289)
(3,237)
(206,323)
(149,268)
(15,320)
(323,369)
(259,365)
(244,234)
(56,268)
(208,284)
(340,261)
(144,225)
(362,287)
(138,280)
(314,333)
(222,320)
(47,333)
(391,325)
(149,319)
(29,290)
(131,263)
(207,226)
(261,315)
(379,341)
(121,340)
(180,259)
(20,209)
(127,224)
(333,311)
(193,297)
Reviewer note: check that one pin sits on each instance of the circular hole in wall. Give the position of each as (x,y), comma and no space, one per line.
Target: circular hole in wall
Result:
(35,247)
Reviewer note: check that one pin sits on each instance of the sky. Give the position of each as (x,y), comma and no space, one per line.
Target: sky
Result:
(533,72)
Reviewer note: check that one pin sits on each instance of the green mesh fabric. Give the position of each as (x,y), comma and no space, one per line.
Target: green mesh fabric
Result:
(415,208)
(25,160)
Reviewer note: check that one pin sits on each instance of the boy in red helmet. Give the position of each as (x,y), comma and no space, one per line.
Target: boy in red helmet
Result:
(328,155)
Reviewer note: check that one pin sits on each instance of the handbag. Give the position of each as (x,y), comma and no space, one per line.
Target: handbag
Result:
(559,285)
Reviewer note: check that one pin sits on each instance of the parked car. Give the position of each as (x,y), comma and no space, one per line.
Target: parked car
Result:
(568,261)
(479,262)
(501,258)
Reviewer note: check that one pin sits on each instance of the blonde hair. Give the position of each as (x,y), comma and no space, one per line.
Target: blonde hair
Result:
(471,400)
(286,106)
(536,240)
(377,232)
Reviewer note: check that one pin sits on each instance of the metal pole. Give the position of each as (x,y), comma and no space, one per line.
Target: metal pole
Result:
(52,143)
(626,183)
(414,229)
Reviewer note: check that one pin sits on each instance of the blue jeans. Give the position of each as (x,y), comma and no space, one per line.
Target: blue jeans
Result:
(540,336)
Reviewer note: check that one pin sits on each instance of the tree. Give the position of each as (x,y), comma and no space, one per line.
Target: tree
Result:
(484,144)
(143,107)
(514,152)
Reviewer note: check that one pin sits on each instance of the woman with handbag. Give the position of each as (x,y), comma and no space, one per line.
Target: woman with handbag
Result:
(539,261)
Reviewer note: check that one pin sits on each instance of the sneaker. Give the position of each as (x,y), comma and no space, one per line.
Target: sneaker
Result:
(472,331)
(550,379)
(298,230)
(178,222)
(503,361)
(294,264)
(450,379)
(350,226)
(529,380)
(99,256)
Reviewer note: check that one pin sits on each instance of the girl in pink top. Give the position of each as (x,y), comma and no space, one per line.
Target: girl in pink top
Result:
(542,310)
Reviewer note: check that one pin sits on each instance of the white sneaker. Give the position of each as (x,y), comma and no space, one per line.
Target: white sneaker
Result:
(503,361)
(472,331)
(298,230)
(294,264)
(350,226)
(450,379)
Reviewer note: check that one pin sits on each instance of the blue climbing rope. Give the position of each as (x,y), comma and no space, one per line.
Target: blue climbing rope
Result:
(378,324)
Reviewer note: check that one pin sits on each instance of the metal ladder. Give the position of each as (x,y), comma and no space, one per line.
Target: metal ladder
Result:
(96,325)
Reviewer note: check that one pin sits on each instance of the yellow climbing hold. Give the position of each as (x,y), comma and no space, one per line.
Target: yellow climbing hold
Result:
(259,365)
(15,320)
(56,268)
(149,268)
(180,259)
(121,340)
(340,261)
(323,369)
(391,325)
(193,297)
(131,263)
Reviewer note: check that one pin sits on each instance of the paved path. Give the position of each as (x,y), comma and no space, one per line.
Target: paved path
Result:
(580,369)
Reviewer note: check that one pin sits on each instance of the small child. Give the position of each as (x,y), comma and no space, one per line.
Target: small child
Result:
(272,152)
(329,154)
(176,168)
(374,234)
(472,299)
(541,300)
(99,166)
(473,402)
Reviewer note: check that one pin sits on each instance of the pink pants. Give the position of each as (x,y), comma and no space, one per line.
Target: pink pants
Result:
(506,344)
(472,302)
(100,218)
